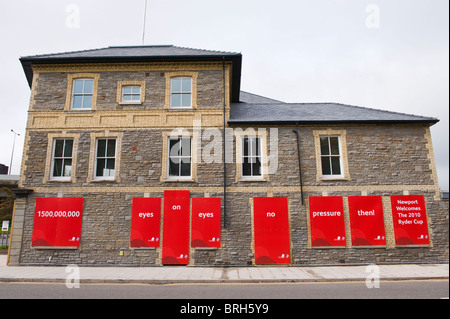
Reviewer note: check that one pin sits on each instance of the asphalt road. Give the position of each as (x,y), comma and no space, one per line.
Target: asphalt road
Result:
(429,289)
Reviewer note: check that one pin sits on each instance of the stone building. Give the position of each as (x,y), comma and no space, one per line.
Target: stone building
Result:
(152,155)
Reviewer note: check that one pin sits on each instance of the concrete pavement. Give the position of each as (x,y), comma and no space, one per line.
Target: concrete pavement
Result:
(197,274)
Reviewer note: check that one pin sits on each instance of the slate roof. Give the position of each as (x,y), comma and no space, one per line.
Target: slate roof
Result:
(247,97)
(125,52)
(314,113)
(148,53)
(246,108)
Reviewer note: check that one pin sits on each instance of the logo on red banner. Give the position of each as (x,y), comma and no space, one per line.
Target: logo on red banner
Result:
(175,248)
(367,221)
(410,220)
(326,216)
(145,222)
(57,222)
(271,230)
(205,230)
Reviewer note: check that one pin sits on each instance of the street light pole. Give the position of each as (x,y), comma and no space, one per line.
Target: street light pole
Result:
(12,153)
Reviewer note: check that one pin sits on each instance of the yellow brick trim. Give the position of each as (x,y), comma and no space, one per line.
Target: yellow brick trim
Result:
(34,88)
(123,119)
(74,76)
(348,232)
(169,76)
(23,165)
(234,189)
(122,67)
(342,134)
(158,260)
(252,226)
(432,165)
(121,84)
(388,222)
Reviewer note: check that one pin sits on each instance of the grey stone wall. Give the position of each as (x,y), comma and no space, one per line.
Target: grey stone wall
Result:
(107,221)
(382,159)
(378,156)
(51,90)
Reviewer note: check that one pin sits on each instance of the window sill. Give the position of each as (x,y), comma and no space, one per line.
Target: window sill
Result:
(175,109)
(59,181)
(179,180)
(103,180)
(244,179)
(131,103)
(80,111)
(331,179)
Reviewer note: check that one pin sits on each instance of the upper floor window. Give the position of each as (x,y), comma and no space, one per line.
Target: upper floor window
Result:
(330,156)
(131,94)
(62,159)
(181,92)
(82,95)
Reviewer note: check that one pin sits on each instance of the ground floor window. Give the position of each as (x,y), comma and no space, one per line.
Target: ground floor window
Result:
(180,158)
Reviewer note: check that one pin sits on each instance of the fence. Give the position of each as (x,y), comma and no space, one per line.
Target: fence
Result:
(4,239)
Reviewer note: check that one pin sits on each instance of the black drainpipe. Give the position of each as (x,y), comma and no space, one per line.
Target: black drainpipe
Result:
(224,151)
(299,165)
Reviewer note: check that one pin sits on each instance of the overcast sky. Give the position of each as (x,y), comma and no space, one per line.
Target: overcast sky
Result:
(384,54)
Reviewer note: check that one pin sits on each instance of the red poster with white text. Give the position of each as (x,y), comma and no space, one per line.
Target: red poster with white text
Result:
(57,222)
(175,250)
(145,222)
(326,216)
(205,229)
(367,221)
(410,220)
(271,230)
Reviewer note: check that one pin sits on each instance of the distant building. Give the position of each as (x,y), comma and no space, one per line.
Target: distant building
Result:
(3,169)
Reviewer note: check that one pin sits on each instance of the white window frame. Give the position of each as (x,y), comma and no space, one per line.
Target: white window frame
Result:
(63,158)
(341,166)
(252,156)
(180,157)
(106,158)
(138,95)
(83,94)
(181,93)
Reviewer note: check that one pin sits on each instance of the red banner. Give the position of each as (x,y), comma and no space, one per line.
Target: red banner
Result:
(175,248)
(271,230)
(410,220)
(326,216)
(367,221)
(57,222)
(205,229)
(145,222)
